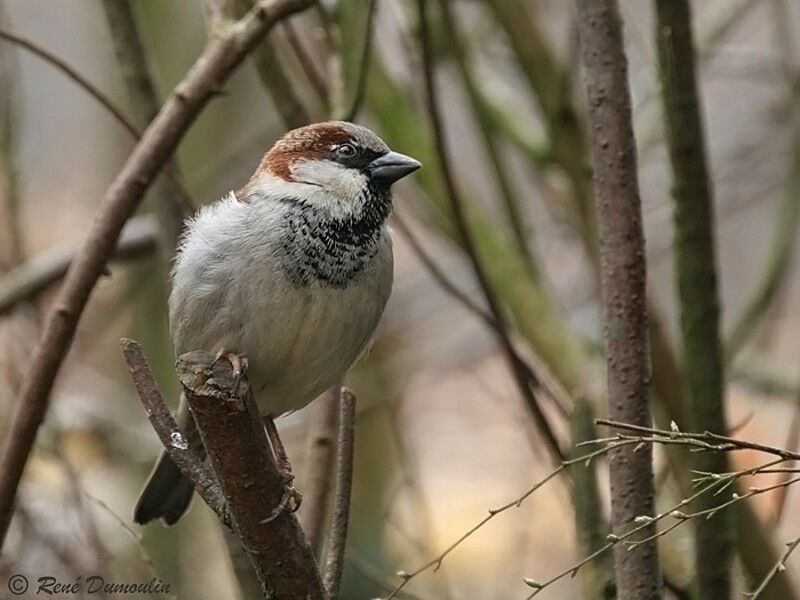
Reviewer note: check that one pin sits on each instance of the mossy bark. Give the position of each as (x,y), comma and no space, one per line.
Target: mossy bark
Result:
(696,277)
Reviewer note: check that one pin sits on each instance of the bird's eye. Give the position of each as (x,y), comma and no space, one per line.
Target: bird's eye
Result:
(345,151)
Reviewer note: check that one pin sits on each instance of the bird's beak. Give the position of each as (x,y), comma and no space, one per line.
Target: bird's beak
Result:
(392,166)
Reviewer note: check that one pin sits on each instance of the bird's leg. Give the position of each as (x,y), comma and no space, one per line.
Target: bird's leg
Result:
(291,498)
(238,363)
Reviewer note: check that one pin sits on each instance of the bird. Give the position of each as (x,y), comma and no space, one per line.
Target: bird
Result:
(292,271)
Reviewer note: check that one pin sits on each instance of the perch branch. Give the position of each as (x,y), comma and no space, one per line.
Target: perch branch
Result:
(344,486)
(223,53)
(249,476)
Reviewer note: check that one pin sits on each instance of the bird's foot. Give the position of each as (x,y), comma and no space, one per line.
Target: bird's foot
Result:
(238,364)
(290,500)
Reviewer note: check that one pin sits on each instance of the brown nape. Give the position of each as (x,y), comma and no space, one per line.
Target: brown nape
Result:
(310,142)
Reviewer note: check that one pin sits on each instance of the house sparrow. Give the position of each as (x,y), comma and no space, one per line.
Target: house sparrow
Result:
(293,271)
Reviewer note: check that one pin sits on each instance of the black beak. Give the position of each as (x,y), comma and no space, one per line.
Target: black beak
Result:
(392,166)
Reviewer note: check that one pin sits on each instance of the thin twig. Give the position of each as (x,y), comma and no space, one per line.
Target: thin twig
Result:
(436,562)
(710,441)
(27,280)
(95,93)
(516,364)
(70,72)
(307,64)
(360,87)
(438,274)
(135,535)
(344,485)
(172,438)
(779,566)
(220,58)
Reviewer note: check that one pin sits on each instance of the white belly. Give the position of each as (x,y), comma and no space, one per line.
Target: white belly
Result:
(230,295)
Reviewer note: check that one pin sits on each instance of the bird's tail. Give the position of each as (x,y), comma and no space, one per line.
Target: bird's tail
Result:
(165,496)
(167,493)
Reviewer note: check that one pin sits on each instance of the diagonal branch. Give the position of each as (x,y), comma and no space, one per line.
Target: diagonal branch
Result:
(522,376)
(223,53)
(36,274)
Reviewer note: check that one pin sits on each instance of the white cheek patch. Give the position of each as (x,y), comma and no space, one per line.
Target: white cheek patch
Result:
(342,185)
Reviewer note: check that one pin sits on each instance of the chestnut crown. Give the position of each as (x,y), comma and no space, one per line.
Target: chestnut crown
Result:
(336,146)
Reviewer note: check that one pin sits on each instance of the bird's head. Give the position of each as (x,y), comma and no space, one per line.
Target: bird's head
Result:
(341,160)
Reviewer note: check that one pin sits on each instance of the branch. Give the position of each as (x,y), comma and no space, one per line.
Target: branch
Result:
(438,274)
(708,483)
(27,280)
(695,268)
(707,439)
(173,440)
(344,485)
(144,103)
(623,275)
(249,476)
(320,464)
(219,59)
(276,80)
(307,64)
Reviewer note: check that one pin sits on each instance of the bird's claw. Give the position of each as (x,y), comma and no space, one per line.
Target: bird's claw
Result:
(238,364)
(290,501)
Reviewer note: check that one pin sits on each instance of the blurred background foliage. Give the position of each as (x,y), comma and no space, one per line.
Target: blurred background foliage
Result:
(442,435)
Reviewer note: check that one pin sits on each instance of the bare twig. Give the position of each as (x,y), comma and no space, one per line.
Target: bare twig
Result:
(307,64)
(70,72)
(707,439)
(337,543)
(277,80)
(27,280)
(707,483)
(516,364)
(623,275)
(172,438)
(250,477)
(356,97)
(219,59)
(779,566)
(95,93)
(439,275)
(135,535)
